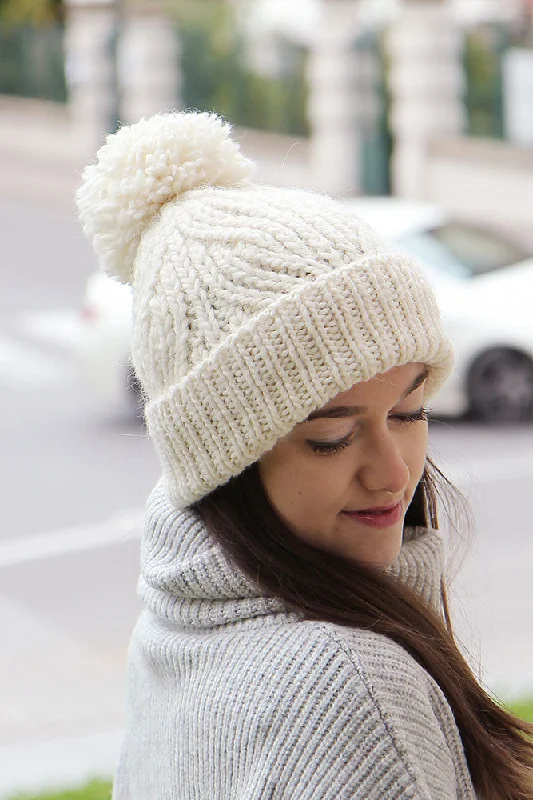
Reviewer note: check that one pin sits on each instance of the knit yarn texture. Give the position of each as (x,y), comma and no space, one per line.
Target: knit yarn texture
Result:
(253,305)
(231,697)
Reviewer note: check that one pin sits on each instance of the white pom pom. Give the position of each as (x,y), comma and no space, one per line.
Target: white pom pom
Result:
(141,167)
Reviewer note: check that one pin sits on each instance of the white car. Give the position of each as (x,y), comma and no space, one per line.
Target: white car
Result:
(104,345)
(484,285)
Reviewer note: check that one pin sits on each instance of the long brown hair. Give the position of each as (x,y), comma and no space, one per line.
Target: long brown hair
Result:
(326,587)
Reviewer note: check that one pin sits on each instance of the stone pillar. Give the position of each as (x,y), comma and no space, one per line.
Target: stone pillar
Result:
(90,70)
(474,12)
(426,85)
(148,61)
(334,143)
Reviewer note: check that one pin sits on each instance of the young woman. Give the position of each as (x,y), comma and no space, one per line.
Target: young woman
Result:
(295,641)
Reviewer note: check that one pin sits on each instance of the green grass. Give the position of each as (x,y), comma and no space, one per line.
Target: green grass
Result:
(523,708)
(95,790)
(101,790)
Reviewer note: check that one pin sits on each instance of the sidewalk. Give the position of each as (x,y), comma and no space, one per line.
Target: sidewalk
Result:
(40,158)
(62,763)
(66,618)
(61,706)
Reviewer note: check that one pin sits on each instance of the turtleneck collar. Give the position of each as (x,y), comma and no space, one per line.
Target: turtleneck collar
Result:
(420,564)
(187,579)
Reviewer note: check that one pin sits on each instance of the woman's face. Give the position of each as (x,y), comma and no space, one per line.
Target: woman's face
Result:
(362,451)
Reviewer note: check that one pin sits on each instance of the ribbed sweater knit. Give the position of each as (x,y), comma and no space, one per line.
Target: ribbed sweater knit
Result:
(231,697)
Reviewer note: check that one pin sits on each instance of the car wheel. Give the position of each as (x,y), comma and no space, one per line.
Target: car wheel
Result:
(500,386)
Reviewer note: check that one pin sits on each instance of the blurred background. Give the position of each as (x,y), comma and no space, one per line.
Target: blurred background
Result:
(420,114)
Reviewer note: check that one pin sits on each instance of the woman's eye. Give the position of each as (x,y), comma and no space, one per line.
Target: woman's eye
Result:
(417,416)
(326,448)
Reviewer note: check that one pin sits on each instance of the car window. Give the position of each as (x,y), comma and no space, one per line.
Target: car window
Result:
(478,250)
(433,255)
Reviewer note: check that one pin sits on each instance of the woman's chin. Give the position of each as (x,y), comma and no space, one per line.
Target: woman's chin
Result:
(382,549)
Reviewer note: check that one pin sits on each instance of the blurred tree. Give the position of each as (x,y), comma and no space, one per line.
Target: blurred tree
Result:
(216,73)
(31,44)
(484,51)
(31,12)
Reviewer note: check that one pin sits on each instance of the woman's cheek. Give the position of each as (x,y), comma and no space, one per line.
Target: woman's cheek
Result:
(420,451)
(416,458)
(323,482)
(308,483)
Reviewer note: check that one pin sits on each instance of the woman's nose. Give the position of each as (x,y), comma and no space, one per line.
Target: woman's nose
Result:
(384,467)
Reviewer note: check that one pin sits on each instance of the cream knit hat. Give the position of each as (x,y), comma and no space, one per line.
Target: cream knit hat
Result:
(253,306)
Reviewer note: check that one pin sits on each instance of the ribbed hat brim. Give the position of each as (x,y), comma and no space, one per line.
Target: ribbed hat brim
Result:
(293,358)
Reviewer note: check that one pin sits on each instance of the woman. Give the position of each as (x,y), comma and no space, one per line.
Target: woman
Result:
(295,641)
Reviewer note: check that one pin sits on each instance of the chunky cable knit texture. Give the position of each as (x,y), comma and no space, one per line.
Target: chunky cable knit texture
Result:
(232,698)
(253,305)
(143,166)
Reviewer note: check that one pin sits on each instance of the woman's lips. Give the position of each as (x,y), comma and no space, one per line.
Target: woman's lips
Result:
(378,518)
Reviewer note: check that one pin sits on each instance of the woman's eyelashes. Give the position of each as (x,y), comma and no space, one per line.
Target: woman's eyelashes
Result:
(329,447)
(416,416)
(335,446)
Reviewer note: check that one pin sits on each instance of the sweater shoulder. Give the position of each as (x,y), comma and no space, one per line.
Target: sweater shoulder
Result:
(394,681)
(372,667)
(321,657)
(362,687)
(373,655)
(411,706)
(308,704)
(364,653)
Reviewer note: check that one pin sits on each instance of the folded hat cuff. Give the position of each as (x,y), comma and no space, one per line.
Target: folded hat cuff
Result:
(341,329)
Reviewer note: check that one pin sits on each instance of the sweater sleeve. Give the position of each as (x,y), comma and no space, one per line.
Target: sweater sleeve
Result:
(380,729)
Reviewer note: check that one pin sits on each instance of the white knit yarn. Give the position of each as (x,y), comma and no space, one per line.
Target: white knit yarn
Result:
(253,305)
(143,166)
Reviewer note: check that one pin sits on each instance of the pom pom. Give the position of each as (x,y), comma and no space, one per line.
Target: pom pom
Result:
(143,166)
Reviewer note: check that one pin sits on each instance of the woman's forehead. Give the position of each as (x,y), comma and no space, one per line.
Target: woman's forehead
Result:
(396,383)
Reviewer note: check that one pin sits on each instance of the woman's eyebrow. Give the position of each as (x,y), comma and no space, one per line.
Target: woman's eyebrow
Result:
(337,412)
(418,381)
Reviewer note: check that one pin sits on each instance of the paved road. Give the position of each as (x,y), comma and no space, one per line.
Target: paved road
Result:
(75,472)
(71,457)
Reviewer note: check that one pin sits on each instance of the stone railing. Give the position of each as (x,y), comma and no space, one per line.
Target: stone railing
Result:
(481,178)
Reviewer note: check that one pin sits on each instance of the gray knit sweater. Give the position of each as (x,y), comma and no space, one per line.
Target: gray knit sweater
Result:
(232,698)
